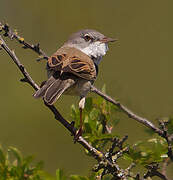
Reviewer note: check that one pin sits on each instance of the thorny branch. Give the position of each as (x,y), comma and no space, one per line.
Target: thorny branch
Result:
(153,171)
(144,121)
(164,166)
(127,111)
(14,35)
(111,166)
(98,155)
(58,116)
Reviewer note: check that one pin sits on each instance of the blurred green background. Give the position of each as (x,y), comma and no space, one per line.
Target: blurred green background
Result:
(137,70)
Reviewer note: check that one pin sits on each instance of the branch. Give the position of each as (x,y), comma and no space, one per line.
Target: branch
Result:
(163,131)
(27,78)
(106,163)
(153,171)
(14,35)
(164,166)
(128,112)
(8,32)
(70,126)
(167,137)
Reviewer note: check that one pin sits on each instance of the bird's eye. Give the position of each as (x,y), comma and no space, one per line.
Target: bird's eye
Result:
(87,37)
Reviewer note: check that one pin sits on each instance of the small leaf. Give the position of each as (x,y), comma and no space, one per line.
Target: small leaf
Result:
(17,155)
(100,129)
(104,88)
(77,177)
(88,128)
(2,156)
(59,174)
(94,114)
(89,104)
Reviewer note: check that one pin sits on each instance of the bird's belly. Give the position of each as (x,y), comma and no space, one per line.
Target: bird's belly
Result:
(72,91)
(80,88)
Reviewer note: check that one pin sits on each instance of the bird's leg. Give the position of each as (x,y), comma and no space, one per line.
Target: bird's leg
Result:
(81,107)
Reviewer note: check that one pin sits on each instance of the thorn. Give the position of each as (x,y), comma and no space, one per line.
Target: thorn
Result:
(24,47)
(15,31)
(137,176)
(37,47)
(1,27)
(72,123)
(21,67)
(6,29)
(40,58)
(61,72)
(11,36)
(24,80)
(13,51)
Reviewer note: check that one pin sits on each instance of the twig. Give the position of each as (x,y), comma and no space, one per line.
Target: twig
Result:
(128,112)
(27,77)
(14,35)
(166,135)
(164,166)
(153,171)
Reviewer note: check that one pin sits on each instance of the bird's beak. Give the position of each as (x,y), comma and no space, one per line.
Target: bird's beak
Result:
(107,40)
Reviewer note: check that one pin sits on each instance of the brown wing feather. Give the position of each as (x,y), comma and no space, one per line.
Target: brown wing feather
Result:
(68,59)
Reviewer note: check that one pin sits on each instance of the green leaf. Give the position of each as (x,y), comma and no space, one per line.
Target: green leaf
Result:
(77,177)
(170,125)
(17,154)
(43,175)
(2,156)
(88,128)
(94,114)
(100,129)
(59,174)
(89,104)
(104,88)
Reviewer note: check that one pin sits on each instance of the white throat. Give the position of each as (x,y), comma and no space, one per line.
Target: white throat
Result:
(96,50)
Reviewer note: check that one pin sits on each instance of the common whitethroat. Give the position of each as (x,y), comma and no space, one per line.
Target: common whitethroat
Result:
(73,68)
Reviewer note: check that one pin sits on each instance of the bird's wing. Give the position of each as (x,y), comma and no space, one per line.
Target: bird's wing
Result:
(72,60)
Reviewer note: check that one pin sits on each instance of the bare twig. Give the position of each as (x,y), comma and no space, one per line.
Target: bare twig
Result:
(8,32)
(153,171)
(27,77)
(164,166)
(166,135)
(128,112)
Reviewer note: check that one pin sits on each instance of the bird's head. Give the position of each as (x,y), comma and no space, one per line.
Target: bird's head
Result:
(91,42)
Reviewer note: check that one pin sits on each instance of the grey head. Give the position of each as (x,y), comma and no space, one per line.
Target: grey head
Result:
(91,42)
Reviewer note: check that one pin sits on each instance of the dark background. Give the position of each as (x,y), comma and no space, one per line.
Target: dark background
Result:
(137,70)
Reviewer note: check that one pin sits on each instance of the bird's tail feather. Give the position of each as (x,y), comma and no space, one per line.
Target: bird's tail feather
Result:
(53,89)
(44,87)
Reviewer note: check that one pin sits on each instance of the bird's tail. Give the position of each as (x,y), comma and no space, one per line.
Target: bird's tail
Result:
(53,89)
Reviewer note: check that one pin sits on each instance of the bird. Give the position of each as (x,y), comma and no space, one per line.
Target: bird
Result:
(73,68)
